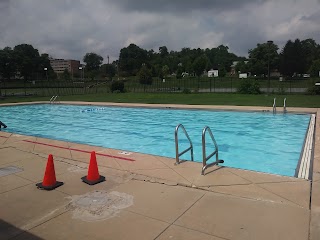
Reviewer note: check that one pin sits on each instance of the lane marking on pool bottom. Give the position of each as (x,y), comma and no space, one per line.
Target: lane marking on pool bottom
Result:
(79,150)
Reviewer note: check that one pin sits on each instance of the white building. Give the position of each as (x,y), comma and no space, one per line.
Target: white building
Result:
(213,73)
(243,75)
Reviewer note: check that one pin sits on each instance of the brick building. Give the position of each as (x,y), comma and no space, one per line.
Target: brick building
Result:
(59,65)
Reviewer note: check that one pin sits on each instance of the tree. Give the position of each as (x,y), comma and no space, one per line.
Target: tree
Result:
(199,65)
(315,68)
(27,59)
(263,57)
(221,57)
(93,61)
(117,86)
(242,66)
(165,70)
(179,72)
(145,76)
(163,51)
(298,56)
(110,71)
(131,58)
(8,66)
(310,52)
(291,58)
(222,71)
(45,63)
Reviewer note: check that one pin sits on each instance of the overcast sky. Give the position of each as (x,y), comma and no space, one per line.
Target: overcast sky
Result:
(70,28)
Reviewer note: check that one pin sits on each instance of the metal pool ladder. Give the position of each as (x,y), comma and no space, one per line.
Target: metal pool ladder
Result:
(205,158)
(284,106)
(177,143)
(274,107)
(53,99)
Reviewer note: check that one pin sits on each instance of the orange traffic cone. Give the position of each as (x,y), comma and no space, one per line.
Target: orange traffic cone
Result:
(49,180)
(93,173)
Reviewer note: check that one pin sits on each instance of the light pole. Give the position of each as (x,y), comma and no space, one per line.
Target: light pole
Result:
(46,69)
(269,44)
(82,72)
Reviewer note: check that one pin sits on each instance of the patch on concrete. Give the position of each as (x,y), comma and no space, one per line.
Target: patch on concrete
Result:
(9,170)
(76,169)
(125,153)
(99,205)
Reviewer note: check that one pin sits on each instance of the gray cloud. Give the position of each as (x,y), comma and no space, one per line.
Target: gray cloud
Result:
(182,6)
(69,28)
(315,17)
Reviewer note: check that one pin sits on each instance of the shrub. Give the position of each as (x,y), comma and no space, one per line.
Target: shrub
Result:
(186,91)
(281,90)
(248,86)
(314,90)
(117,86)
(145,76)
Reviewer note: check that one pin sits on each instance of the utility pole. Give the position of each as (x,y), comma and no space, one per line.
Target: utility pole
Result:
(108,59)
(118,68)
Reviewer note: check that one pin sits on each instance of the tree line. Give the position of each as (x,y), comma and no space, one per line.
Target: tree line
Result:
(23,61)
(296,57)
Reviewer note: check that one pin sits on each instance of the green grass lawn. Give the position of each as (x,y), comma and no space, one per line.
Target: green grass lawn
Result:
(180,98)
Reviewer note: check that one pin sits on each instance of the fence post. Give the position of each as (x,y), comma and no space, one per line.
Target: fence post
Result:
(231,85)
(42,83)
(72,87)
(134,86)
(290,85)
(198,83)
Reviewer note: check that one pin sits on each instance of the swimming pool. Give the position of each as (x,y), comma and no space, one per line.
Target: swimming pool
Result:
(258,141)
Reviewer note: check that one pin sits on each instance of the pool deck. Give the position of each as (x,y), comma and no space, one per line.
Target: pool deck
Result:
(169,201)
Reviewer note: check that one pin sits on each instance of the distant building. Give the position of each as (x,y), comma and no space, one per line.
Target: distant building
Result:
(213,73)
(185,74)
(233,67)
(274,73)
(59,65)
(243,75)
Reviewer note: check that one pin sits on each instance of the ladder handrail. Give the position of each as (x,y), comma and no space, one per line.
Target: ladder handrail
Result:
(205,158)
(274,107)
(284,105)
(177,143)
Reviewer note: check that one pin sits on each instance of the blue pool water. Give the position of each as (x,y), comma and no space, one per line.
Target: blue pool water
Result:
(248,140)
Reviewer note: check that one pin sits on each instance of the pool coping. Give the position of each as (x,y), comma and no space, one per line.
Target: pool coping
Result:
(315,181)
(176,106)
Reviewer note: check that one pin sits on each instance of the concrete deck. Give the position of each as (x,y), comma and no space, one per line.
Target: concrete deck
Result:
(148,197)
